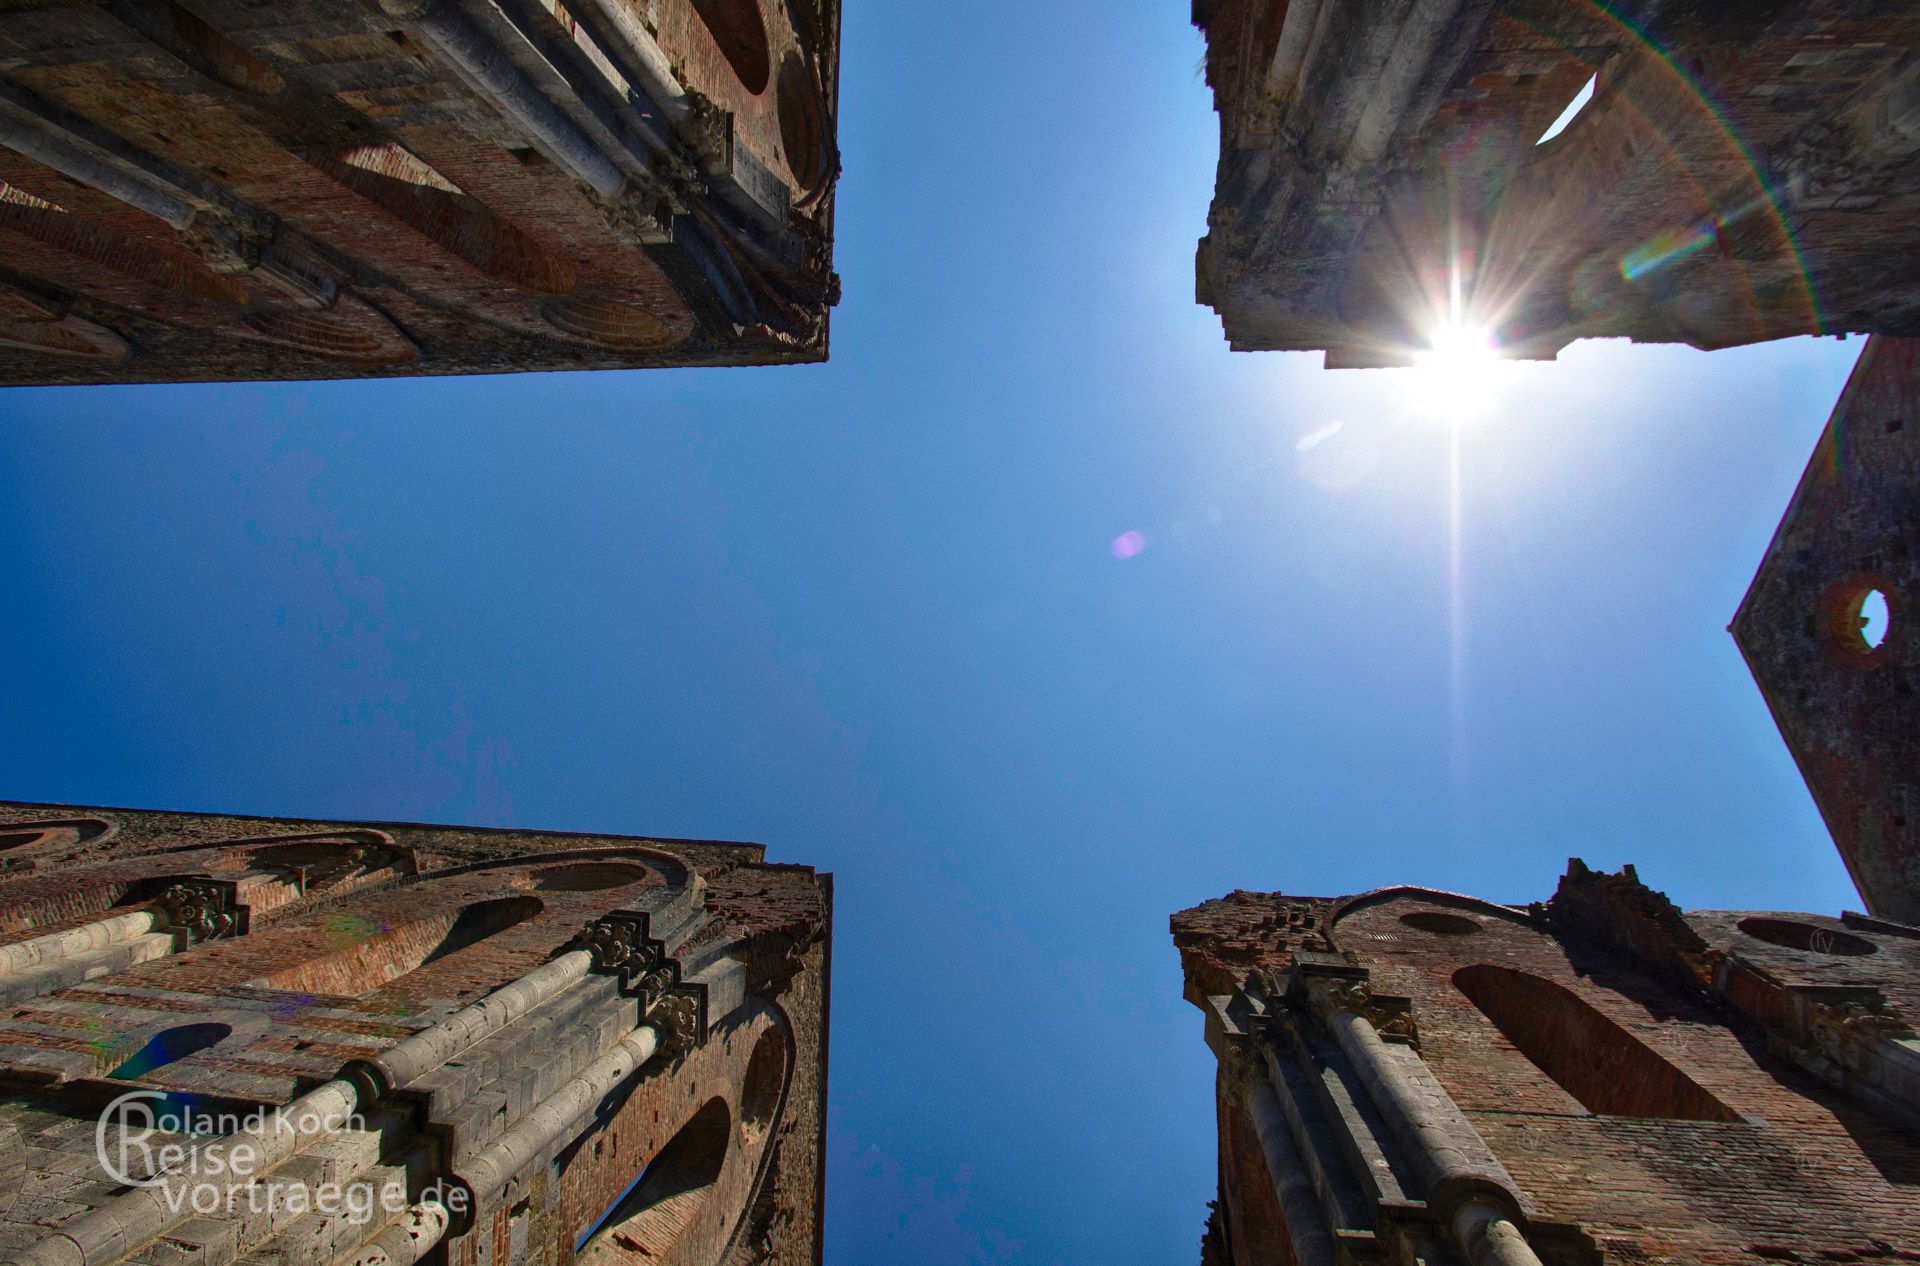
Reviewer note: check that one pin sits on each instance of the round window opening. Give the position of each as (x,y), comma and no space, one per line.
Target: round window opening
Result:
(1858,613)
(1806,936)
(1873,618)
(1441,924)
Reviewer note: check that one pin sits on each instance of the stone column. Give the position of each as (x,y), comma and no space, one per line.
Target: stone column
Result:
(403,1241)
(1466,1184)
(192,910)
(556,1117)
(1299,1205)
(133,1219)
(486,68)
(39,951)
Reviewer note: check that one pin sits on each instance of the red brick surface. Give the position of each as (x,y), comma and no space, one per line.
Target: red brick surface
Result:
(362,957)
(453,244)
(1800,1169)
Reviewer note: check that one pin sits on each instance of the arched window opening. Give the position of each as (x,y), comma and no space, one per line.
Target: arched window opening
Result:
(1858,613)
(170,1046)
(1592,1058)
(741,33)
(378,954)
(651,1215)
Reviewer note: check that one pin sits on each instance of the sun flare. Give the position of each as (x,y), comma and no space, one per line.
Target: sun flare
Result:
(1455,379)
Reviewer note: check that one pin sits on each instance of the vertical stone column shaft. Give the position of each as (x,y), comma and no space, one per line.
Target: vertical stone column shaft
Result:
(1423,1119)
(488,70)
(557,1115)
(1299,1204)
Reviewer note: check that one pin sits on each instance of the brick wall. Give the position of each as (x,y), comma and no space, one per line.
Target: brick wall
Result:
(1634,1104)
(1740,174)
(355,951)
(390,220)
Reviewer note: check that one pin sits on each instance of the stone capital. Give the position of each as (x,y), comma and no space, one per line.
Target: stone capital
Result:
(620,946)
(201,910)
(1326,989)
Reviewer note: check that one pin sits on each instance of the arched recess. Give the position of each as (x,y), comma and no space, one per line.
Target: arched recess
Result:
(352,331)
(805,130)
(287,869)
(766,1086)
(363,836)
(763,1090)
(664,867)
(396,180)
(378,955)
(740,30)
(1474,907)
(52,833)
(1588,1054)
(70,335)
(333,864)
(1811,938)
(171,270)
(588,877)
(647,1219)
(1440,923)
(751,1066)
(609,323)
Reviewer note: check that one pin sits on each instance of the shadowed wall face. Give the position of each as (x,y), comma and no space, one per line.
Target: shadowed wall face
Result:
(1735,173)
(1608,1069)
(1827,627)
(217,191)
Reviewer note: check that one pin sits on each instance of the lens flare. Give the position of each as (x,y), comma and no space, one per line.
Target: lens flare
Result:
(1455,379)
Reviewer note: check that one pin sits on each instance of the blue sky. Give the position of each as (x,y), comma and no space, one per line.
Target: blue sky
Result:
(869,614)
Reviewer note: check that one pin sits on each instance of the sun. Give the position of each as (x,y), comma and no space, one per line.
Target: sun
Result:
(1456,379)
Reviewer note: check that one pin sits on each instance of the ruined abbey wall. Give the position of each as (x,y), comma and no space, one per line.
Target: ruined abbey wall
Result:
(554,1048)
